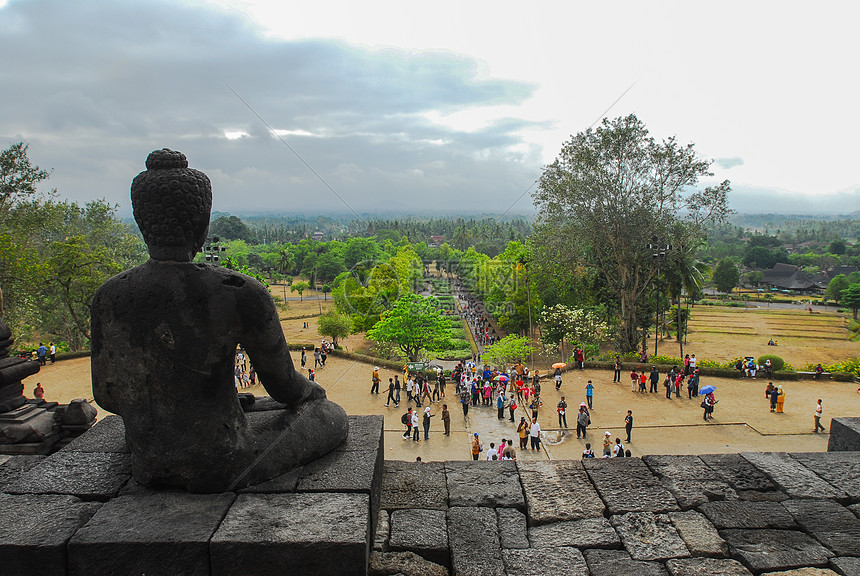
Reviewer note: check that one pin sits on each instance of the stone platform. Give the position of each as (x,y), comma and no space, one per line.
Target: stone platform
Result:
(77,512)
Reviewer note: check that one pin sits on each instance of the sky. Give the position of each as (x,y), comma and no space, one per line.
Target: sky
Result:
(435,107)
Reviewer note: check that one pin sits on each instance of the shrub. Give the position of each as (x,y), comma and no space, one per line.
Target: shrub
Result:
(776,362)
(668,360)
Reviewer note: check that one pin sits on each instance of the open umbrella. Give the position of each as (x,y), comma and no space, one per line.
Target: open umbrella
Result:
(501,378)
(707,389)
(559,365)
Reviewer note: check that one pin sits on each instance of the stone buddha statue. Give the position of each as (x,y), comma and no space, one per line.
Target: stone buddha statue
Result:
(164,339)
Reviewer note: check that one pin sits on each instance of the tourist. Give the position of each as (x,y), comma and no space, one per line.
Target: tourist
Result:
(819,412)
(582,421)
(311,375)
(523,431)
(616,376)
(477,448)
(588,452)
(425,389)
(390,398)
(512,408)
(436,397)
(579,357)
(686,364)
(557,377)
(396,390)
(780,399)
(534,435)
(53,353)
(628,424)
(426,422)
(41,353)
(768,368)
(693,363)
(500,405)
(406,420)
(668,385)
(491,453)
(774,397)
(642,380)
(252,374)
(589,394)
(562,412)
(39,393)
(410,384)
(679,379)
(442,383)
(655,379)
(607,444)
(317,357)
(535,405)
(464,401)
(446,419)
(416,436)
(634,380)
(819,370)
(509,453)
(708,404)
(618,449)
(374,379)
(304,357)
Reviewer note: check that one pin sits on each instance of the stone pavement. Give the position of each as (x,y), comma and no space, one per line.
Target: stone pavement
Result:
(79,512)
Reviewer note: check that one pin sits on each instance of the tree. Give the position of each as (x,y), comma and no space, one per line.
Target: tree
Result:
(508,350)
(835,288)
(231,228)
(837,247)
(299,287)
(726,276)
(610,191)
(18,178)
(334,325)
(576,326)
(851,298)
(414,324)
(761,257)
(755,277)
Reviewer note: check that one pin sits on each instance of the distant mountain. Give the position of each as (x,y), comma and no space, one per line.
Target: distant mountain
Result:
(754,200)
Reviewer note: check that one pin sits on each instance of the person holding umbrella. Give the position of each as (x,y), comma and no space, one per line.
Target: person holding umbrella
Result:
(557,374)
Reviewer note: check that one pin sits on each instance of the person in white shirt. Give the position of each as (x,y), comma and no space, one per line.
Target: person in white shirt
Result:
(534,435)
(618,450)
(492,451)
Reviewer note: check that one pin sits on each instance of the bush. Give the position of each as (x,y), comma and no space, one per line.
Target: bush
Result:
(776,362)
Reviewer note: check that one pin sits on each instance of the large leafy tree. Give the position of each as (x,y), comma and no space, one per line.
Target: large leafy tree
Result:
(726,275)
(334,325)
(414,325)
(835,288)
(851,298)
(508,350)
(610,191)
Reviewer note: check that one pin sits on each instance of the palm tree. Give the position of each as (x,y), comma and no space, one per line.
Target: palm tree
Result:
(684,274)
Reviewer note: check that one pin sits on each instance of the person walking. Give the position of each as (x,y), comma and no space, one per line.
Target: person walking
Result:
(464,401)
(446,419)
(304,358)
(500,405)
(582,420)
(512,408)
(416,435)
(774,396)
(523,432)
(668,384)
(819,412)
(477,448)
(616,377)
(534,435)
(589,394)
(628,424)
(557,377)
(562,412)
(406,420)
(390,398)
(426,422)
(374,379)
(780,399)
(52,352)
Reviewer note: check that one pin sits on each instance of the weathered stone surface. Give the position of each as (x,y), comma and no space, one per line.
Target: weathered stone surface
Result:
(338,472)
(844,435)
(14,466)
(619,563)
(405,563)
(34,531)
(159,532)
(587,533)
(88,475)
(474,539)
(690,480)
(840,469)
(513,528)
(424,532)
(648,536)
(484,484)
(107,435)
(365,434)
(312,533)
(756,496)
(739,514)
(699,534)
(771,550)
(382,534)
(557,491)
(846,565)
(562,560)
(706,567)
(277,485)
(414,485)
(793,477)
(738,472)
(831,524)
(804,572)
(628,485)
(855,509)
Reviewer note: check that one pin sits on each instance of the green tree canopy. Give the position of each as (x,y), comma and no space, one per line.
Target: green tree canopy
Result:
(510,349)
(851,298)
(334,325)
(231,228)
(726,276)
(414,325)
(835,288)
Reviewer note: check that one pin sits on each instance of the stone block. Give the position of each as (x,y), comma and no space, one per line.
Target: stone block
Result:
(484,483)
(312,533)
(404,563)
(338,472)
(756,496)
(831,524)
(700,536)
(107,435)
(513,528)
(855,509)
(844,435)
(382,534)
(278,485)
(792,477)
(804,572)
(846,565)
(34,532)
(365,434)
(558,490)
(706,567)
(424,532)
(561,560)
(587,533)
(628,485)
(159,532)
(87,475)
(619,563)
(649,536)
(771,550)
(739,514)
(408,485)
(738,472)
(474,538)
(689,479)
(841,469)
(14,466)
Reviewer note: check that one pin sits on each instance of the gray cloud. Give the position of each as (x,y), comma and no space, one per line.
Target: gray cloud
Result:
(94,86)
(727,163)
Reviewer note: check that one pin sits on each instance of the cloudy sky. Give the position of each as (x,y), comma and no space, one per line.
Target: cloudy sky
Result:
(438,106)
